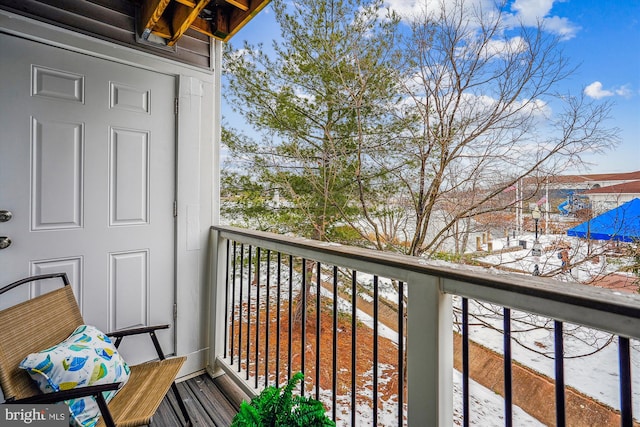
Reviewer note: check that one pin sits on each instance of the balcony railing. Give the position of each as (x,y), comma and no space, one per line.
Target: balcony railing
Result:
(373,333)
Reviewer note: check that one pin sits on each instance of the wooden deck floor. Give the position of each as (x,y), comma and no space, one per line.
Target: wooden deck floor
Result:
(210,403)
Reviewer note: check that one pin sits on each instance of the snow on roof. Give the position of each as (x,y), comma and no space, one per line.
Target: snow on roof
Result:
(631,187)
(572,179)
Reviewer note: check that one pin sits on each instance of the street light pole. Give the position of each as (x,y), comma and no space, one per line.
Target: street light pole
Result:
(536,251)
(536,214)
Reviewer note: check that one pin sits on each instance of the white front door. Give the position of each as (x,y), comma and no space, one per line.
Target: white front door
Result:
(87,170)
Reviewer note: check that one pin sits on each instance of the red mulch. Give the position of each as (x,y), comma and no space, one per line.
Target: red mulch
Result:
(387,352)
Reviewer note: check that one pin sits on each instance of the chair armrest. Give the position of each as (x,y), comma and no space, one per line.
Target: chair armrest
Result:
(151,330)
(136,331)
(59,396)
(74,393)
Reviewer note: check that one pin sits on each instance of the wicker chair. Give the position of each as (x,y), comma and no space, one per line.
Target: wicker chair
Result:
(33,325)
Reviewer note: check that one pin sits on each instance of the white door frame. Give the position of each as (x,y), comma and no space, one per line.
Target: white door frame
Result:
(197,190)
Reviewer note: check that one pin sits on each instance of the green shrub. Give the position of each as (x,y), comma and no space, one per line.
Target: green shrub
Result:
(279,407)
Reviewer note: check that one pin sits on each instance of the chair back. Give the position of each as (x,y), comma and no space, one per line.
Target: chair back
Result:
(32,326)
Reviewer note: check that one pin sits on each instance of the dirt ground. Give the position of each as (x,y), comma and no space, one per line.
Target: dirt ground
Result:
(387,352)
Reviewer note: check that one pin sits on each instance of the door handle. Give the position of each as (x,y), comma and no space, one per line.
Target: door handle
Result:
(5,242)
(5,215)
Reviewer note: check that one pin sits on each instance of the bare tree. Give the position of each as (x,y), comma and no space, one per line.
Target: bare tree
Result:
(481,112)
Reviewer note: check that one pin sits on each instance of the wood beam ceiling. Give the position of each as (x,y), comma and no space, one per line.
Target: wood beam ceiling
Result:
(221,19)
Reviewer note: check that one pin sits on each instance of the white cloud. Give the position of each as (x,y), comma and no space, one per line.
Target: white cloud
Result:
(502,47)
(531,12)
(410,9)
(405,8)
(561,27)
(527,12)
(624,91)
(596,91)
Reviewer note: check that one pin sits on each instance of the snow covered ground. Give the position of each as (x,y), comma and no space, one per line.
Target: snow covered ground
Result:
(486,407)
(549,263)
(595,375)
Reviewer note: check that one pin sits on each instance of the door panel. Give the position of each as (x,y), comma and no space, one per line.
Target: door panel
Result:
(129,287)
(72,266)
(128,177)
(57,174)
(87,166)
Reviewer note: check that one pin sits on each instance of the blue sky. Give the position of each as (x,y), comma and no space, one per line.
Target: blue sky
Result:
(601,37)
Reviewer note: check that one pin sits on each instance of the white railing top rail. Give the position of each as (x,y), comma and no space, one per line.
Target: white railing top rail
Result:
(603,309)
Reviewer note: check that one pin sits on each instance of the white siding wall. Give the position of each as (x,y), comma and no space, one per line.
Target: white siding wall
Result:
(601,203)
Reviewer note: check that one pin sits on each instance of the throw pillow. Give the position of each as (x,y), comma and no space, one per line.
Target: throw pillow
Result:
(87,357)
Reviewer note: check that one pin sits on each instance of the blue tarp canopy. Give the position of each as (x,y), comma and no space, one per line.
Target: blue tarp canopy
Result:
(621,223)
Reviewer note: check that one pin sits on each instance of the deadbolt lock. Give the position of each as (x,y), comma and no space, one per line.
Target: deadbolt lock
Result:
(5,215)
(5,242)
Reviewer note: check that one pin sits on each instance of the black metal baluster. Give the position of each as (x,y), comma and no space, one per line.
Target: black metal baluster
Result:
(375,350)
(353,346)
(318,285)
(290,315)
(401,354)
(240,306)
(626,409)
(303,323)
(278,299)
(465,362)
(249,265)
(334,380)
(559,366)
(508,392)
(268,321)
(257,351)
